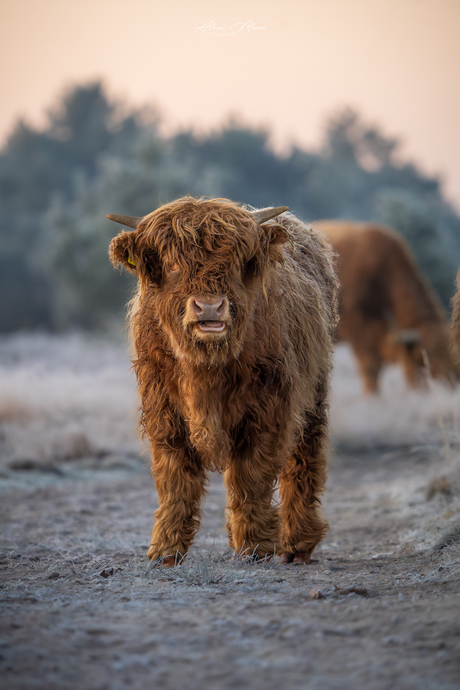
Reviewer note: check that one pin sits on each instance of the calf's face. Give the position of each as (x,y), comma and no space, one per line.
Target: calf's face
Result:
(201,268)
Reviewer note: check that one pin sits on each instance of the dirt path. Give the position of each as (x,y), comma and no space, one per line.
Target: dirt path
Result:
(372,611)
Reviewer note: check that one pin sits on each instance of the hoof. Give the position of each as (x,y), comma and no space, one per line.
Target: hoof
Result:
(165,562)
(251,558)
(296,557)
(168,562)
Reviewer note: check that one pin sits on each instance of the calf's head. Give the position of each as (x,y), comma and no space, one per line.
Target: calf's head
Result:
(201,266)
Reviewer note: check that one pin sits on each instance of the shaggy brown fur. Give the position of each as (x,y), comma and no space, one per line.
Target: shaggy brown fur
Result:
(248,400)
(388,312)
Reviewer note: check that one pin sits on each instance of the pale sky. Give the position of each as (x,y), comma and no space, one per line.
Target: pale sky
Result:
(288,65)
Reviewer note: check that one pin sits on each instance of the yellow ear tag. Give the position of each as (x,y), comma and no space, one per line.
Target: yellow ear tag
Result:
(130,261)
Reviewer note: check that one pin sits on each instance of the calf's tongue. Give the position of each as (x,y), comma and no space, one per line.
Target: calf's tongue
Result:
(212,325)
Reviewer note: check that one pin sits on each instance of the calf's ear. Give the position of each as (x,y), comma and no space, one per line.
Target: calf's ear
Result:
(277,236)
(145,263)
(122,250)
(277,233)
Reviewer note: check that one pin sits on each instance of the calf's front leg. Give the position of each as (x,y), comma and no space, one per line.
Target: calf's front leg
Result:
(180,481)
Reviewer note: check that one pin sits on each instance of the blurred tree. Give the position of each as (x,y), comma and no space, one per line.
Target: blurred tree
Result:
(86,290)
(255,175)
(348,139)
(95,156)
(419,220)
(36,166)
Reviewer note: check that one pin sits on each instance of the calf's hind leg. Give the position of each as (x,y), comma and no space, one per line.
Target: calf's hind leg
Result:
(300,486)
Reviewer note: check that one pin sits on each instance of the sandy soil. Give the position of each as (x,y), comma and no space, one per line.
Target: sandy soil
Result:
(378,608)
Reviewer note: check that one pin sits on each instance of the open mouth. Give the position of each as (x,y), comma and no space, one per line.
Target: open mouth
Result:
(211,326)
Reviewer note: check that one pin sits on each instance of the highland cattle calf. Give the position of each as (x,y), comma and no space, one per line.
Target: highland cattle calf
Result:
(388,312)
(232,327)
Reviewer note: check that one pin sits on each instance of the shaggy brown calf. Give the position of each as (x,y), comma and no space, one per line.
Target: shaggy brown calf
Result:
(388,312)
(232,327)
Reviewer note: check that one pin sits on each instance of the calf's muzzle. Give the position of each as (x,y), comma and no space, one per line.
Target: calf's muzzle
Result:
(211,314)
(207,310)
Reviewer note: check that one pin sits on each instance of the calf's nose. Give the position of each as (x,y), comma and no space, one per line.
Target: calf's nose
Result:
(206,309)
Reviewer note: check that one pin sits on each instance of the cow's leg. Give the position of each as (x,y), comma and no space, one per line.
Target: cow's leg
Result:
(180,481)
(300,486)
(369,366)
(252,519)
(412,373)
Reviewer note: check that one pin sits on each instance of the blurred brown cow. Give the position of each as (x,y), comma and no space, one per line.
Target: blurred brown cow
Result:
(388,312)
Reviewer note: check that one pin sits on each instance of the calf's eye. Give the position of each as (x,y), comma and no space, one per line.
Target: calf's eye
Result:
(250,268)
(173,270)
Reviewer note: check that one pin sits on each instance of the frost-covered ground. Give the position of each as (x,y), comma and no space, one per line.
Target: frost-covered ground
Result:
(65,397)
(71,401)
(80,608)
(394,418)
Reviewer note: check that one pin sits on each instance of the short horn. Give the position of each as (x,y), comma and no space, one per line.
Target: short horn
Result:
(267,213)
(130,221)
